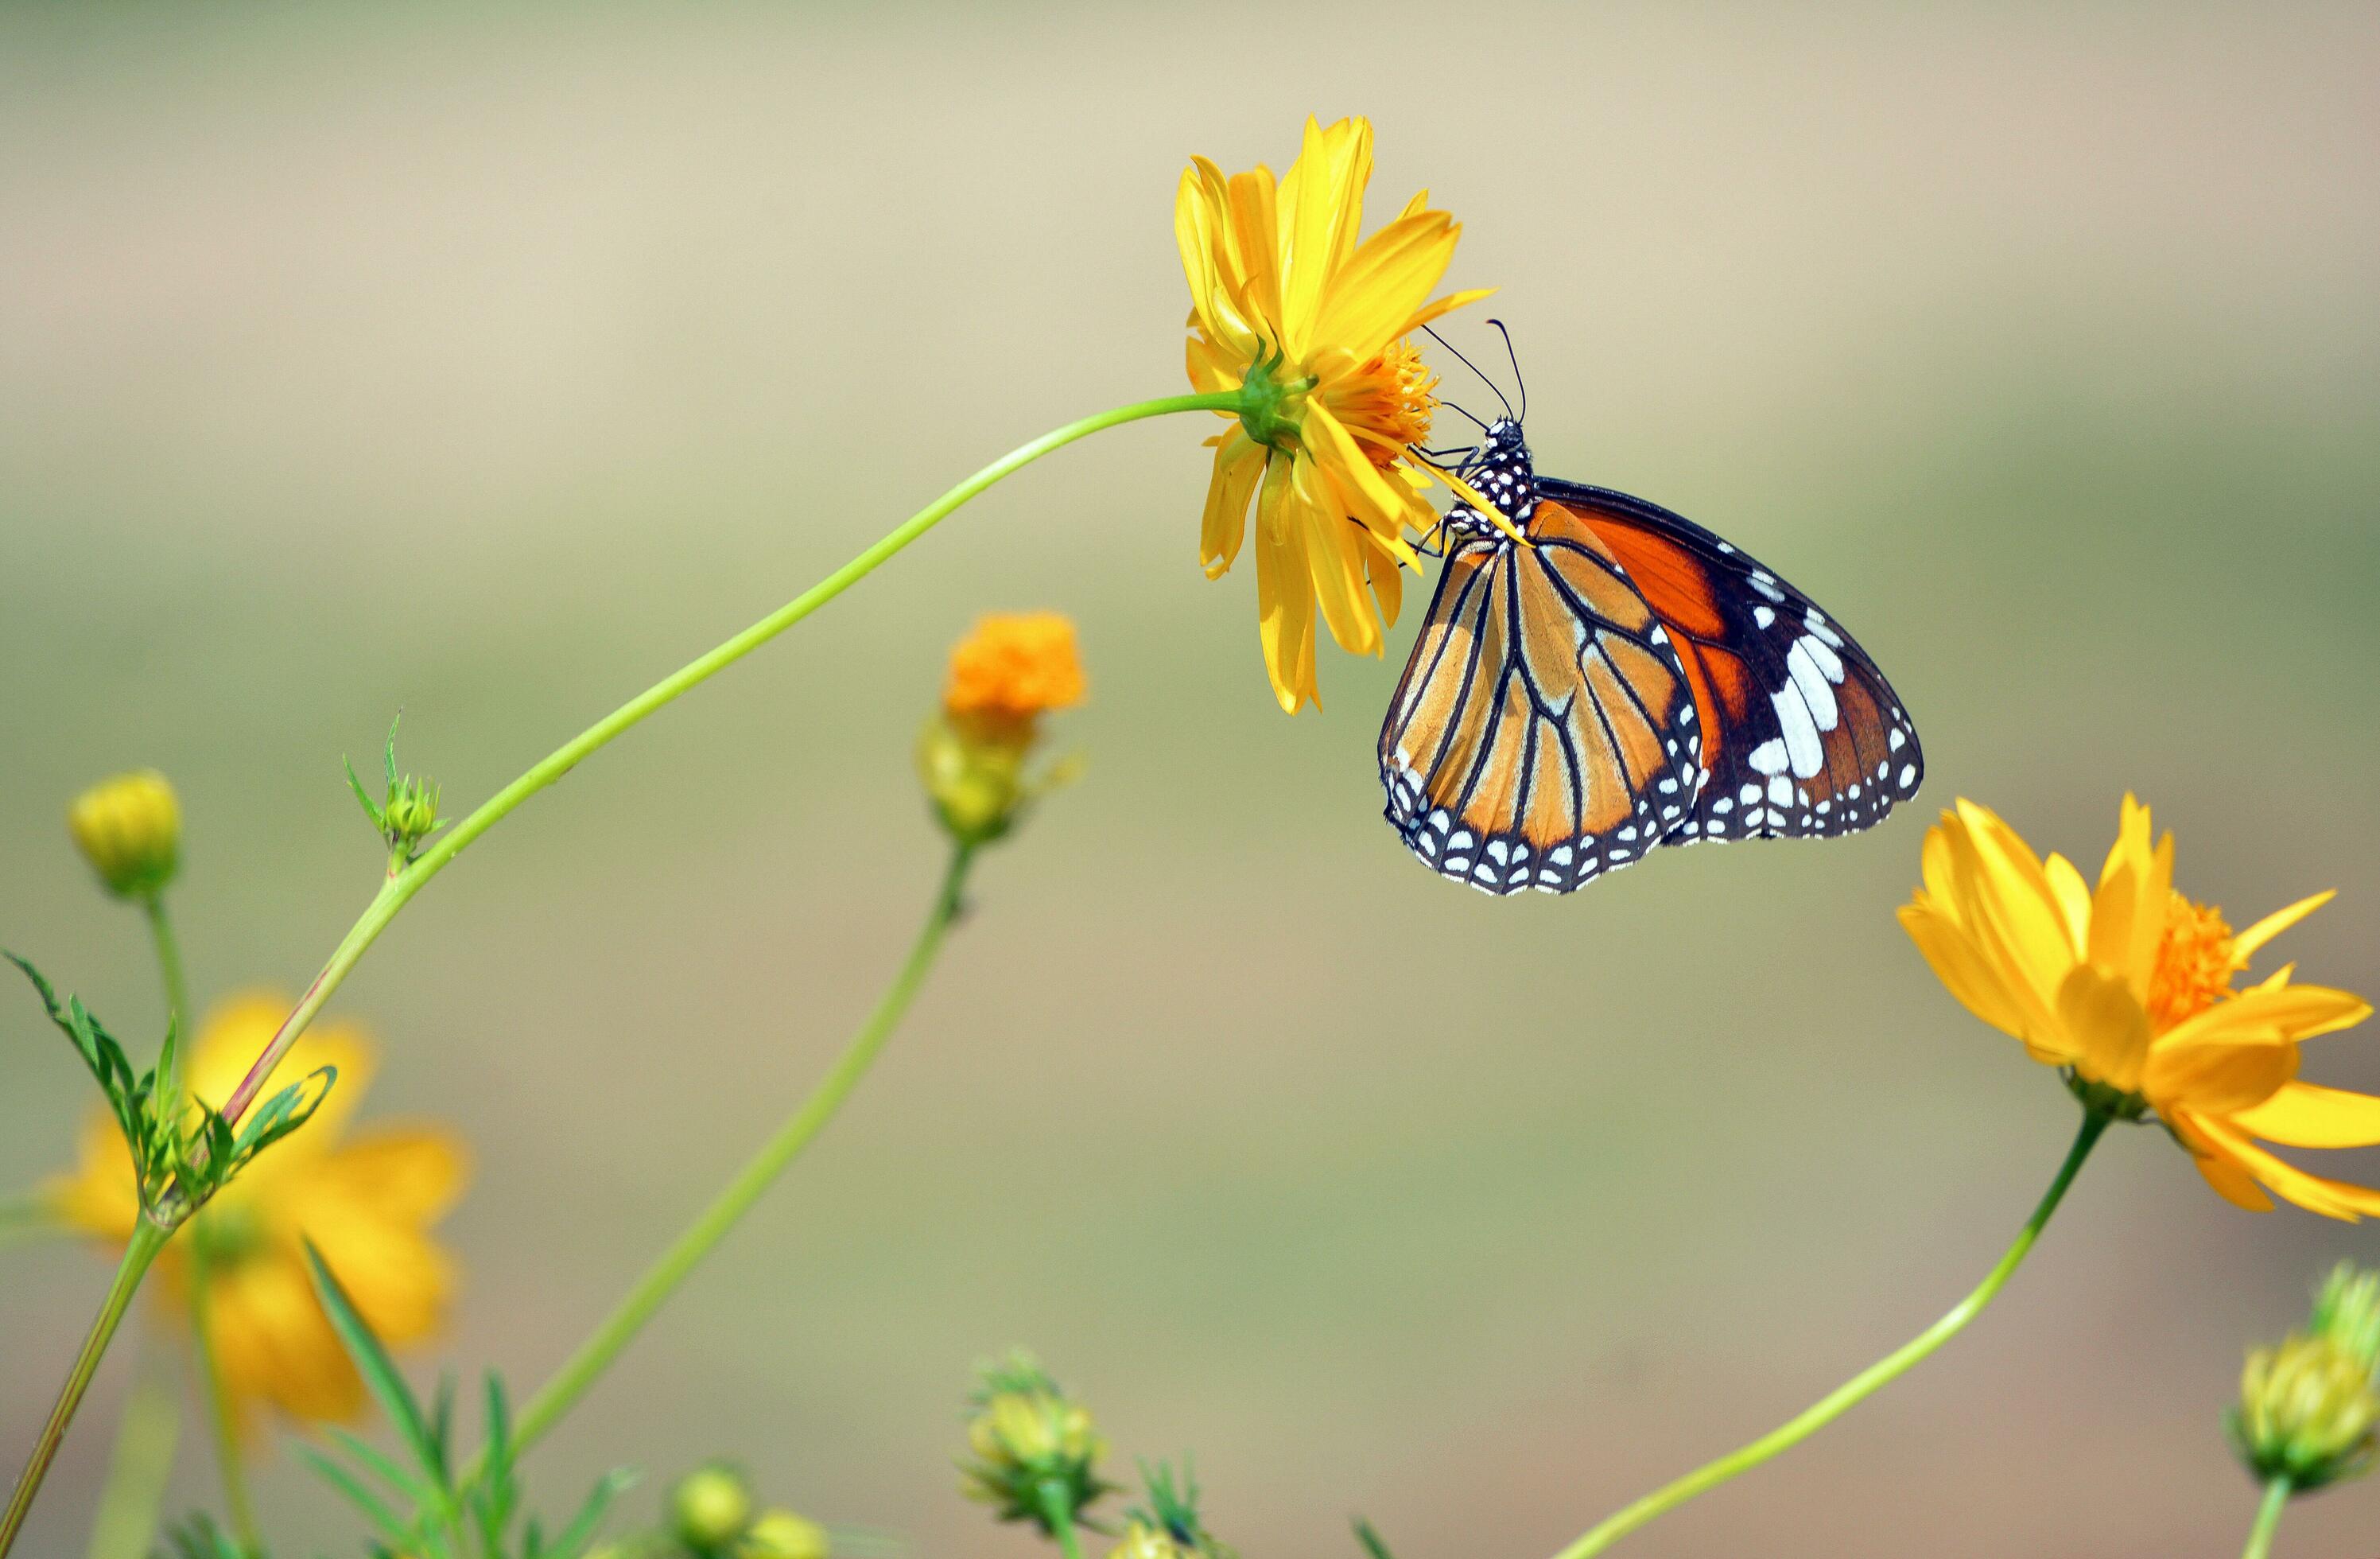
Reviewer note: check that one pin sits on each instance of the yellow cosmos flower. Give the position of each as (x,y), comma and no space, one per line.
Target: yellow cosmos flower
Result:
(1287,307)
(367,1203)
(2132,989)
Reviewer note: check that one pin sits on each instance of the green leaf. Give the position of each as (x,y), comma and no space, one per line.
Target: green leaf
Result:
(574,1538)
(1371,1540)
(373,1508)
(283,1112)
(371,1362)
(442,1423)
(388,756)
(379,1464)
(372,808)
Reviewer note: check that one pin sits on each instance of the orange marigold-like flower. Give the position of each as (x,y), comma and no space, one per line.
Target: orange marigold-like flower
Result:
(1012,669)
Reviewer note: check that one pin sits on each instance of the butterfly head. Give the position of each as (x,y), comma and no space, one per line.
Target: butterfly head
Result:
(1499,470)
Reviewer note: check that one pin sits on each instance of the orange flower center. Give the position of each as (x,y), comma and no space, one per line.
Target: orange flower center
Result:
(1386,403)
(2195,964)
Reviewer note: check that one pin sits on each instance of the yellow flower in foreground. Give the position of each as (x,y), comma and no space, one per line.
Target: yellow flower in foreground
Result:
(2131,988)
(366,1202)
(1004,676)
(1287,305)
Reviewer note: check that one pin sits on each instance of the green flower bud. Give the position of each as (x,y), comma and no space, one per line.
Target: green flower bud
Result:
(976,785)
(2308,1411)
(2347,1311)
(781,1534)
(711,1507)
(412,813)
(1032,1446)
(129,828)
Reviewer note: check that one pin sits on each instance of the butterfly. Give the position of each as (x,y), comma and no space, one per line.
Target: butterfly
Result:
(1626,680)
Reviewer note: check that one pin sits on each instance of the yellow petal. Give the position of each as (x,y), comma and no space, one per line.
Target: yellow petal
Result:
(2230,1180)
(1446,305)
(1386,282)
(2245,945)
(2276,1012)
(2306,1116)
(2072,897)
(1336,565)
(2108,1028)
(1960,967)
(2135,896)
(2216,1079)
(1321,211)
(1368,492)
(1239,465)
(2331,1198)
(1284,593)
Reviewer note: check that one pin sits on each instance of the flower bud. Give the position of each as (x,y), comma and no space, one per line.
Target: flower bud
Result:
(129,828)
(781,1534)
(711,1507)
(971,757)
(412,813)
(2348,1312)
(1032,1446)
(2308,1411)
(1142,1540)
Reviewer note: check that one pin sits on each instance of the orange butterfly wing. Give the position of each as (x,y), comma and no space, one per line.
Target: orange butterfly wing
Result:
(1802,736)
(1545,730)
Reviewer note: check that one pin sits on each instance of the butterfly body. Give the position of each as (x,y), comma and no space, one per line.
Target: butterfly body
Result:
(1623,681)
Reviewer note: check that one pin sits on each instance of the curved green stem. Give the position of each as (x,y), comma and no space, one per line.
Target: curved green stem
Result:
(661,1279)
(142,1462)
(223,1421)
(1860,1387)
(402,884)
(138,1252)
(2268,1517)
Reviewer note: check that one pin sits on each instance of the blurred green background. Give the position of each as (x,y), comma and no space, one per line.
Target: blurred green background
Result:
(492,364)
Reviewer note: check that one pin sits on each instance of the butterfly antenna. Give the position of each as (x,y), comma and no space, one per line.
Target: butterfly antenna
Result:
(1452,406)
(1466,362)
(1519,383)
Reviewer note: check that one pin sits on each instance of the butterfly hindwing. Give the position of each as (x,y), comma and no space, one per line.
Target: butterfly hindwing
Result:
(1804,736)
(1545,731)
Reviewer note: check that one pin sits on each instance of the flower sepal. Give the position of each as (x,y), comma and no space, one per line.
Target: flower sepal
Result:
(2102,1099)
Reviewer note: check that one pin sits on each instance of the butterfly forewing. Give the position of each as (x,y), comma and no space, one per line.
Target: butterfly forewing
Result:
(1544,732)
(1802,736)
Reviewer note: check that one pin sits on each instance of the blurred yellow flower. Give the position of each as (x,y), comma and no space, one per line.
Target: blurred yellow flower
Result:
(1287,307)
(1005,675)
(2131,987)
(130,827)
(1010,669)
(367,1203)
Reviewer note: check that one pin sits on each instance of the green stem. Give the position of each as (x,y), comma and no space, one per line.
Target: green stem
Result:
(169,959)
(141,1463)
(2268,1517)
(661,1279)
(223,1420)
(1860,1387)
(400,886)
(138,1252)
(1058,1515)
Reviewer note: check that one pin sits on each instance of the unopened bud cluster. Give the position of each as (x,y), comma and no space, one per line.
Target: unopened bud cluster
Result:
(2308,1410)
(713,1515)
(973,755)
